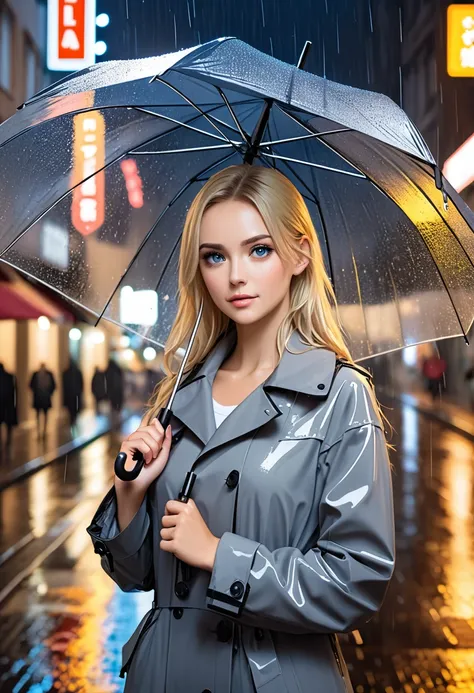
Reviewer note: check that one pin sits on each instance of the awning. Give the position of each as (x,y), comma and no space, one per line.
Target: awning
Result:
(21,301)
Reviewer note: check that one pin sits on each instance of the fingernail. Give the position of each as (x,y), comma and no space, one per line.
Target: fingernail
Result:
(168,428)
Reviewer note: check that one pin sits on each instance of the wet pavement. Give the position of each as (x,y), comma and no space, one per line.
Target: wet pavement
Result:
(26,452)
(64,621)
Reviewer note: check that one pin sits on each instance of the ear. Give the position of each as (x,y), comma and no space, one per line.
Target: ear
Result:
(304,262)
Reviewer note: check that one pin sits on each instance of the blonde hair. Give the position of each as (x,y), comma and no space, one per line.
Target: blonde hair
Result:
(313,308)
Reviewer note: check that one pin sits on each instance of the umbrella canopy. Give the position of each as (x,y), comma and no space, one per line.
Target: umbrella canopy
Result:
(107,161)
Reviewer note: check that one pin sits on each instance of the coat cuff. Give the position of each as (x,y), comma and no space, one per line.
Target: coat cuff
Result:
(105,533)
(229,587)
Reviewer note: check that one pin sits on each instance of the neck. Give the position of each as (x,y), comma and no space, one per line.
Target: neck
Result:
(256,347)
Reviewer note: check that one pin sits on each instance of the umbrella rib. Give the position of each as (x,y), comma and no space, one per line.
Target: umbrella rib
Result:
(313,135)
(308,189)
(234,117)
(179,151)
(106,108)
(178,122)
(69,190)
(323,224)
(149,233)
(316,202)
(191,103)
(237,103)
(373,182)
(312,165)
(326,144)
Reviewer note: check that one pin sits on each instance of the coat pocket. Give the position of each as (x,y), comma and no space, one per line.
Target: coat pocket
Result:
(131,646)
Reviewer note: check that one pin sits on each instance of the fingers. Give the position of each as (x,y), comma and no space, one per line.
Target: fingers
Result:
(169,520)
(165,445)
(167,533)
(137,444)
(175,507)
(153,436)
(150,440)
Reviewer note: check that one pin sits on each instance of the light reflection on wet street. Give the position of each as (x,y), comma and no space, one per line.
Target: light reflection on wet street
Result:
(63,627)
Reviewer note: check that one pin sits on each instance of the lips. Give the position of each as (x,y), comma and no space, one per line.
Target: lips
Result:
(240,298)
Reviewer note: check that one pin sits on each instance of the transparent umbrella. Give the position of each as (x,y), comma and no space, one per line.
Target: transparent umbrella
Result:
(98,170)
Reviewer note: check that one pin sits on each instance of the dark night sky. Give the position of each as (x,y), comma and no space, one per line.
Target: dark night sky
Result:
(354,41)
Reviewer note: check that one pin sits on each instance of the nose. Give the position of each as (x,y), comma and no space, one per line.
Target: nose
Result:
(237,273)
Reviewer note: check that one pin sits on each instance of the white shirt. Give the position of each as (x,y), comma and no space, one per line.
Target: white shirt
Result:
(221,411)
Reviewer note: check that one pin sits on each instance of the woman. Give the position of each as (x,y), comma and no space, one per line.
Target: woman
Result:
(289,533)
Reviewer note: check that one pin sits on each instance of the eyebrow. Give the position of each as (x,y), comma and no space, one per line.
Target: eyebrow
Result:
(219,246)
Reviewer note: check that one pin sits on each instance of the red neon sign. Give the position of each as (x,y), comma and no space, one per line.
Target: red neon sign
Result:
(88,199)
(133,182)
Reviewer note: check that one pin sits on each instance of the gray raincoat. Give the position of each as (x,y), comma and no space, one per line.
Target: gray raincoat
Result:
(296,484)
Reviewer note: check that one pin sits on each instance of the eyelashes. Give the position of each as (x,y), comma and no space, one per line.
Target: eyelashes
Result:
(213,253)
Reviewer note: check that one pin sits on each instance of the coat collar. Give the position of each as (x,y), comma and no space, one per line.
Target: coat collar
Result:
(310,372)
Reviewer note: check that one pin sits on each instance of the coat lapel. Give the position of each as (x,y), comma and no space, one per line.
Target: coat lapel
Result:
(310,372)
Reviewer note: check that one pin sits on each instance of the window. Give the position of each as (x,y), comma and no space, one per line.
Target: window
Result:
(30,70)
(6,47)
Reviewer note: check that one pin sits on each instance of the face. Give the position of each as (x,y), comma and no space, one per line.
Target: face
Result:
(237,256)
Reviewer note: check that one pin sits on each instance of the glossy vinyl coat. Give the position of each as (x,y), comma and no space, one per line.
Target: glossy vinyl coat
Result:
(296,483)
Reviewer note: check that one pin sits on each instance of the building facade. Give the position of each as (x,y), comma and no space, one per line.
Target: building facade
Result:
(22,50)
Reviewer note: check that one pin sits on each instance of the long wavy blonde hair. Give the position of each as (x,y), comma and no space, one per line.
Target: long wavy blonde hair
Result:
(313,308)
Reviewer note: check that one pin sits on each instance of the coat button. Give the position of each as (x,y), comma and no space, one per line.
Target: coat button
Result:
(233,479)
(237,589)
(100,548)
(178,612)
(321,386)
(224,631)
(177,437)
(259,634)
(181,590)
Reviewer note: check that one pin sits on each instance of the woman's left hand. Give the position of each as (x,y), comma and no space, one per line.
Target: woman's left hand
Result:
(186,535)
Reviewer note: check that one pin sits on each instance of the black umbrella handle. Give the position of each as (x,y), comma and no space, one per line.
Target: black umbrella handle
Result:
(183,496)
(164,417)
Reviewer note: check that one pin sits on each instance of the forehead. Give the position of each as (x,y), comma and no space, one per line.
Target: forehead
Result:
(231,219)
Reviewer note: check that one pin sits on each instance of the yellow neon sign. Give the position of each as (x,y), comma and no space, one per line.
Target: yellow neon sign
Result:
(460,41)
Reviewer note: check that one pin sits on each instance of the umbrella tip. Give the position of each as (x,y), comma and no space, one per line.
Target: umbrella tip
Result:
(304,55)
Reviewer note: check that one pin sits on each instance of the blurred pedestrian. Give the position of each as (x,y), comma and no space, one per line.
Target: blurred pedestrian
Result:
(8,415)
(114,383)
(73,386)
(434,368)
(99,388)
(43,385)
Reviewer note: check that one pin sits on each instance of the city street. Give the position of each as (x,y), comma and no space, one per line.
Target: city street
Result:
(64,621)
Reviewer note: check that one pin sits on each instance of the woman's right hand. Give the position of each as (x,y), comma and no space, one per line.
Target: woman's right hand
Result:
(154,443)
